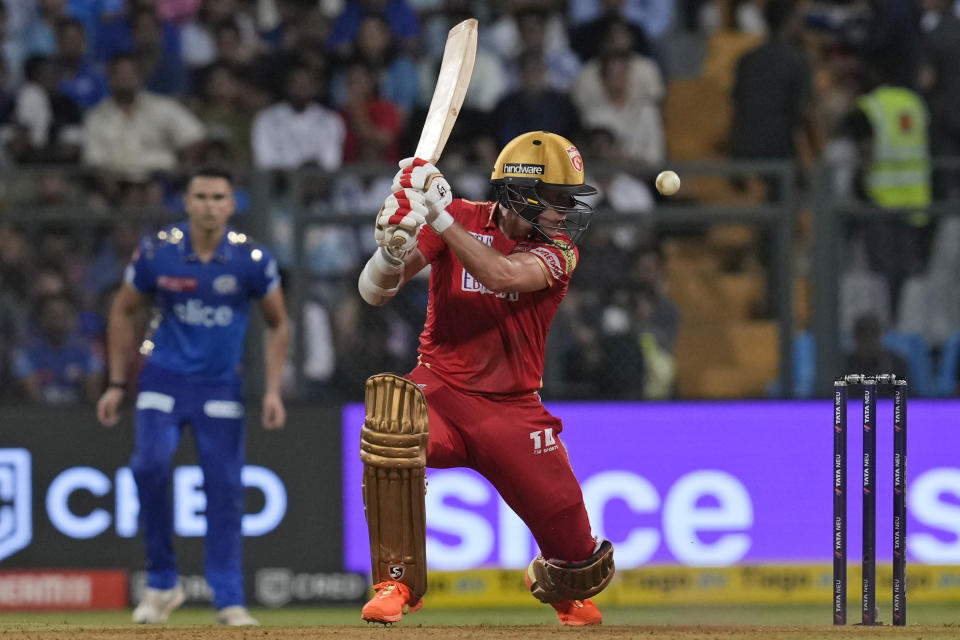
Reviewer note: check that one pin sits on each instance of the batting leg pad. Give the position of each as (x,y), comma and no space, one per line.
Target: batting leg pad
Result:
(554,581)
(393,447)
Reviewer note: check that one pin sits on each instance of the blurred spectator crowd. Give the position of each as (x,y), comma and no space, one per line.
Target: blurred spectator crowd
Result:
(104,106)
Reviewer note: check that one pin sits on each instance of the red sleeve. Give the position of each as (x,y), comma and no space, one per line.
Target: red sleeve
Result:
(430,244)
(560,260)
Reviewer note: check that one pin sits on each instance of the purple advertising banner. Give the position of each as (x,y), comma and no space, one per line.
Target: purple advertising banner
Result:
(700,484)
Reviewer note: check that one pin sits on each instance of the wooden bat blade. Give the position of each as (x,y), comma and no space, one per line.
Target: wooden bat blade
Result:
(456,67)
(455,70)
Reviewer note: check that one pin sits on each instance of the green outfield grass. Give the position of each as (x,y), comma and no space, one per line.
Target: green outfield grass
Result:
(776,615)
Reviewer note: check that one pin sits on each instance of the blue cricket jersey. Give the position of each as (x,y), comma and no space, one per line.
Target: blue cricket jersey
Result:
(203,307)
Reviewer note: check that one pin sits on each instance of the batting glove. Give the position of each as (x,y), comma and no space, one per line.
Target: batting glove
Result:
(405,211)
(416,173)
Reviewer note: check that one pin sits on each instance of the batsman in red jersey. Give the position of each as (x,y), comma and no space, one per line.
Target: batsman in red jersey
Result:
(498,273)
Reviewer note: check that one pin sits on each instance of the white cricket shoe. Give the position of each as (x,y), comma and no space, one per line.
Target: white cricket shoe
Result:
(236,616)
(157,605)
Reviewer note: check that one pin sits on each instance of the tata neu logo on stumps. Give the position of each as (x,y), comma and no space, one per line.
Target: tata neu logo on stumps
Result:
(16,526)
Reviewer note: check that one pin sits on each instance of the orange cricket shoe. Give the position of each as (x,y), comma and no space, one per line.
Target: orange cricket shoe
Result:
(391,601)
(572,613)
(577,613)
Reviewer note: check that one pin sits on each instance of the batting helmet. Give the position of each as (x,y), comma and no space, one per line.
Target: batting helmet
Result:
(540,170)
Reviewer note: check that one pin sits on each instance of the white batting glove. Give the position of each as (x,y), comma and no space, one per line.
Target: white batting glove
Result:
(399,220)
(416,173)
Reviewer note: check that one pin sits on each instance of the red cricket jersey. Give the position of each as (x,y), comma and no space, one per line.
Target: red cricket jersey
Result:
(478,340)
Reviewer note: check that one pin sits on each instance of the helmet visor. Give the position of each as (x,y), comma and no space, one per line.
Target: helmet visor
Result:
(530,198)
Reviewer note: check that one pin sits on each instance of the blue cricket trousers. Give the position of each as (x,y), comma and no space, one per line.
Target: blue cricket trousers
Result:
(166,403)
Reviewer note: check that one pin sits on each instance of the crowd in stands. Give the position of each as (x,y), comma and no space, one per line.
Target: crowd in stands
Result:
(105,106)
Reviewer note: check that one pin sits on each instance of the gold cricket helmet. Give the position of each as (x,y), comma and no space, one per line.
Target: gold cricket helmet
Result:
(540,170)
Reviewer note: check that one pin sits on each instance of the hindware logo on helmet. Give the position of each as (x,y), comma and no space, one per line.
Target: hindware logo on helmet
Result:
(523,167)
(575,158)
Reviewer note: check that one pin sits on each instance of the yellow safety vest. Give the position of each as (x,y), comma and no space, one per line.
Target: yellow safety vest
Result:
(900,173)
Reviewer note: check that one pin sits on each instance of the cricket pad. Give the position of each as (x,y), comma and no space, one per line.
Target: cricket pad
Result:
(393,447)
(551,581)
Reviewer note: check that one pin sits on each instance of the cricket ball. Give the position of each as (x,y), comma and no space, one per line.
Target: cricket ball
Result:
(668,182)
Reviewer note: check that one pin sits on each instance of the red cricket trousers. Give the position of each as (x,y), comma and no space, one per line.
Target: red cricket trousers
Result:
(513,442)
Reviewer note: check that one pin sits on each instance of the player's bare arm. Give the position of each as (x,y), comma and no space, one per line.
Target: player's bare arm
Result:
(518,272)
(274,312)
(121,328)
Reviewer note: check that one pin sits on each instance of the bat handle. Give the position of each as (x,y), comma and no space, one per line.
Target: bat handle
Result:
(399,239)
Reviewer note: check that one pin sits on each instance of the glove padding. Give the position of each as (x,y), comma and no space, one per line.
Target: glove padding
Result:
(418,174)
(406,211)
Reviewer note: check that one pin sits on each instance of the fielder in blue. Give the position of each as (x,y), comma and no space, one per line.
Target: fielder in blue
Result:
(201,276)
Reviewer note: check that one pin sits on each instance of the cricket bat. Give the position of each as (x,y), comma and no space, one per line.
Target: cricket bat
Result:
(456,68)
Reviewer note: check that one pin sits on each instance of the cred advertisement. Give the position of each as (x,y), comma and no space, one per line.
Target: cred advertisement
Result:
(705,484)
(69,505)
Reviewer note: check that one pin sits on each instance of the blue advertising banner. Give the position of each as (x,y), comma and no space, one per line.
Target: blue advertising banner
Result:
(698,484)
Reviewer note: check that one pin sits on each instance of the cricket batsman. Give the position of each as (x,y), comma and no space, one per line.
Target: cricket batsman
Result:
(201,276)
(498,273)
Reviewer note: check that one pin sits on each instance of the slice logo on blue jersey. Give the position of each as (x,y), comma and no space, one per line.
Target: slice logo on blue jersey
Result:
(197,314)
(225,285)
(16,521)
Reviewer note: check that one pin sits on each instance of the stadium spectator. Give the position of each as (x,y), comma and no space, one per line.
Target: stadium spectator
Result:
(889,129)
(373,124)
(939,82)
(616,188)
(297,131)
(59,248)
(162,68)
(534,105)
(231,50)
(226,116)
(50,123)
(299,40)
(376,46)
(772,94)
(80,77)
(39,37)
(110,259)
(56,365)
(135,133)
(622,92)
(534,29)
(657,321)
(199,38)
(401,19)
(588,37)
